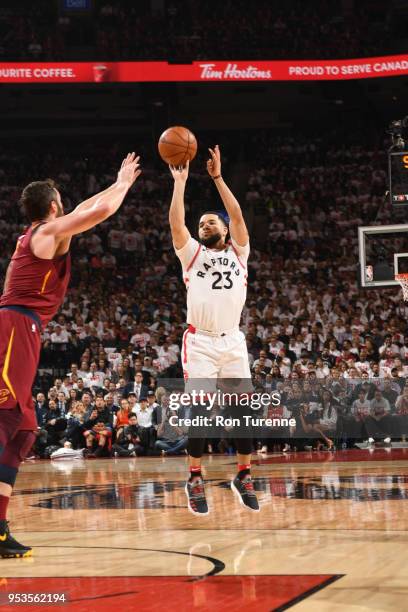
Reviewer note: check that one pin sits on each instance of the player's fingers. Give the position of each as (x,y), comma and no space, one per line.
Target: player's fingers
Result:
(211,152)
(187,165)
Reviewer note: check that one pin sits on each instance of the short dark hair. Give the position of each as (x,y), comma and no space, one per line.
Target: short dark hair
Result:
(217,214)
(36,199)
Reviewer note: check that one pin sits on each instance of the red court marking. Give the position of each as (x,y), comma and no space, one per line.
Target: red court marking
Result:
(353,454)
(170,593)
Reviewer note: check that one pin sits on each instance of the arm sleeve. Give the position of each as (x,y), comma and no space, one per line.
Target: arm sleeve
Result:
(187,253)
(243,251)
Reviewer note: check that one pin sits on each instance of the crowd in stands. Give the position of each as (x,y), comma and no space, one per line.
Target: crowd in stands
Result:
(337,354)
(182,30)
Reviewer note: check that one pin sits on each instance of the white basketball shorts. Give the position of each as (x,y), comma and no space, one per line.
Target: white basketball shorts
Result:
(206,355)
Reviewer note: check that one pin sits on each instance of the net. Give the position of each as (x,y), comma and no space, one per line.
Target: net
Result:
(403,281)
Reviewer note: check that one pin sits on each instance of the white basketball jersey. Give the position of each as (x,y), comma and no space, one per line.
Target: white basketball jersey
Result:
(216,283)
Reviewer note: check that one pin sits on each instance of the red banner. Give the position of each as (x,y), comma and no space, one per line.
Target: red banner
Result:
(203,71)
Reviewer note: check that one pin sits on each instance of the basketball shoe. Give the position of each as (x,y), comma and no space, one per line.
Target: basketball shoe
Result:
(9,547)
(244,490)
(197,503)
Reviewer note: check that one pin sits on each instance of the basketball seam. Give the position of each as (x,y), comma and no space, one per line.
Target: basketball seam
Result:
(172,144)
(184,147)
(175,154)
(176,134)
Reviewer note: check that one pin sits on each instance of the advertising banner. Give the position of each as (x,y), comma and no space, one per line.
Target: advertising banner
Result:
(203,71)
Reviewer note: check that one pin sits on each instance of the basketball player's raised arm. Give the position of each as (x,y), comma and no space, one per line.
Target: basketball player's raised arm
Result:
(179,231)
(87,204)
(99,207)
(237,226)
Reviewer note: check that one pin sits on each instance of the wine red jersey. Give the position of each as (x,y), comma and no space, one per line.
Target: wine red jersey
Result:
(38,284)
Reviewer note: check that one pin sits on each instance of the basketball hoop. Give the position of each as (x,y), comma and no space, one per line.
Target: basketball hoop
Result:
(403,281)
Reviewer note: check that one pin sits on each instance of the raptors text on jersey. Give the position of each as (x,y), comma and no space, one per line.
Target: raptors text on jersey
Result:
(216,283)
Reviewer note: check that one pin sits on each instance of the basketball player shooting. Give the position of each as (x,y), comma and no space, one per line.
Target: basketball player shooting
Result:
(213,345)
(35,287)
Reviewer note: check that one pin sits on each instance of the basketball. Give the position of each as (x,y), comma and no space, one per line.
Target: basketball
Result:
(177,145)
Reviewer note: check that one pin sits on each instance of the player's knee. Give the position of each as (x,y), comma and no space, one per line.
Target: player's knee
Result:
(195,447)
(8,474)
(243,446)
(25,441)
(17,449)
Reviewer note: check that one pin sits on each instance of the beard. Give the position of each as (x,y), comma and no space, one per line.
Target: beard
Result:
(211,240)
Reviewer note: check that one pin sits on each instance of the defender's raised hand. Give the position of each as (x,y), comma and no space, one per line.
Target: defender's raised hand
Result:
(180,173)
(214,163)
(129,170)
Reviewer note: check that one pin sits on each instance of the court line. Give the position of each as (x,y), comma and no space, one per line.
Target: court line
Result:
(295,529)
(308,593)
(107,596)
(219,565)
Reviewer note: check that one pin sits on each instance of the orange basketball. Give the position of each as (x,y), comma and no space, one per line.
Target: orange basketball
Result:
(177,145)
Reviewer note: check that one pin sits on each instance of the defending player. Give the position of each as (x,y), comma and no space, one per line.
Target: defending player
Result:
(35,286)
(213,345)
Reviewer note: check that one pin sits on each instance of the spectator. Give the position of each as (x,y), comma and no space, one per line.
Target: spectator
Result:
(59,335)
(137,387)
(400,419)
(379,423)
(55,424)
(41,409)
(75,425)
(98,429)
(110,403)
(62,404)
(171,440)
(121,418)
(144,412)
(128,442)
(360,410)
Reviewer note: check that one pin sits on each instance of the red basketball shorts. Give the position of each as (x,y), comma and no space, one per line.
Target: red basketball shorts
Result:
(20,345)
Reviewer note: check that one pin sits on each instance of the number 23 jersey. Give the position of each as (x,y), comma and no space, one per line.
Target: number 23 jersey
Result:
(216,283)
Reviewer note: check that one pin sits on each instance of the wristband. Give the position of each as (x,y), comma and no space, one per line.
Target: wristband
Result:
(214,178)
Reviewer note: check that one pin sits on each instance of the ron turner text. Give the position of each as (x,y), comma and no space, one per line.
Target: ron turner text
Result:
(220,421)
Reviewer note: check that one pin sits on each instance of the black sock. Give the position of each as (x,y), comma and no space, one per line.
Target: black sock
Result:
(244,471)
(195,473)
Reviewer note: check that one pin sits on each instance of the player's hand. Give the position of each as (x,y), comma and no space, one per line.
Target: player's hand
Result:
(129,170)
(214,163)
(180,173)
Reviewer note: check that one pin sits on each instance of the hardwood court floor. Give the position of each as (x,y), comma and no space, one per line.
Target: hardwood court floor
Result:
(331,534)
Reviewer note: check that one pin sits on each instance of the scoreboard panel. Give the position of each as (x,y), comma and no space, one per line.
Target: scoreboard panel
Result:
(398,174)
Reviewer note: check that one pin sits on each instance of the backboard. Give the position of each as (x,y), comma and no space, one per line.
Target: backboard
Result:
(383,252)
